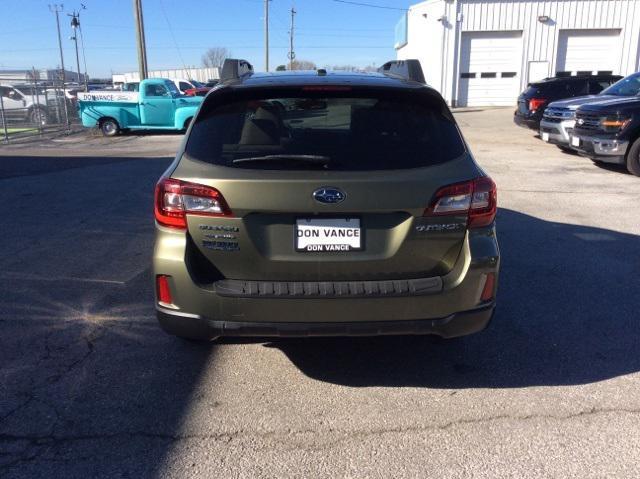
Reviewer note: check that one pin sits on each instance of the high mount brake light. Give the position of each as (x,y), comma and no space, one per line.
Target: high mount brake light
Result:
(476,198)
(175,199)
(536,103)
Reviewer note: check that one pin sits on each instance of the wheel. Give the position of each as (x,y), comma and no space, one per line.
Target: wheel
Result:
(38,116)
(633,158)
(109,127)
(187,123)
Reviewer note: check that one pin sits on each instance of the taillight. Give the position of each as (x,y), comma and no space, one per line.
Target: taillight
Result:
(476,198)
(175,199)
(536,103)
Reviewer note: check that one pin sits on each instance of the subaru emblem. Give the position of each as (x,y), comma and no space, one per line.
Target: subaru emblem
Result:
(328,194)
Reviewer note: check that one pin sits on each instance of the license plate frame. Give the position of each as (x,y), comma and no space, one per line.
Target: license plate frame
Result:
(323,242)
(575,141)
(545,136)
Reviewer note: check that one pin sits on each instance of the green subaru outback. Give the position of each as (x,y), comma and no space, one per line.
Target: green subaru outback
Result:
(319,203)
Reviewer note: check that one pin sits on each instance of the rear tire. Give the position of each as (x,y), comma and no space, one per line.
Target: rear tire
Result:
(109,127)
(633,158)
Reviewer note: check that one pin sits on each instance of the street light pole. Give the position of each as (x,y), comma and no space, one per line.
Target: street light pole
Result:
(55,8)
(142,48)
(292,54)
(75,23)
(266,35)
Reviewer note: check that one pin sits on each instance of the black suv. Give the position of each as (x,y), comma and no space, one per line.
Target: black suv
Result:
(533,101)
(608,131)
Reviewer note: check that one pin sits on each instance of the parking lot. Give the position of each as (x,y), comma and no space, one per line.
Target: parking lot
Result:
(91,387)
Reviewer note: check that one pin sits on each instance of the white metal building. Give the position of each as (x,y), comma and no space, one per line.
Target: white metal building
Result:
(200,74)
(484,52)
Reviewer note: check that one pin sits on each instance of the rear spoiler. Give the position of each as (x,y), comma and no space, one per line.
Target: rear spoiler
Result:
(234,69)
(409,69)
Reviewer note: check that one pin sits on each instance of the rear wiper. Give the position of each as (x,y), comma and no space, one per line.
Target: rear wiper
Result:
(312,159)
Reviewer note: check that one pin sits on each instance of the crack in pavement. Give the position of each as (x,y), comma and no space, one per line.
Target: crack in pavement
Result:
(52,440)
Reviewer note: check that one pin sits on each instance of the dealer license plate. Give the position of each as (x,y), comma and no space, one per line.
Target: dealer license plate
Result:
(545,137)
(575,141)
(328,234)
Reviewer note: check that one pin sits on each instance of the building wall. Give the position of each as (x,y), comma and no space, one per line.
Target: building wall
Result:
(437,43)
(199,74)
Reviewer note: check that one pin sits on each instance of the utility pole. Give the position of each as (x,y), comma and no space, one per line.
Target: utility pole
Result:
(75,23)
(55,8)
(292,54)
(142,47)
(266,35)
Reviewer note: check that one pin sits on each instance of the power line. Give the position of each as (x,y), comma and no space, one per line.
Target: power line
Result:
(164,13)
(371,5)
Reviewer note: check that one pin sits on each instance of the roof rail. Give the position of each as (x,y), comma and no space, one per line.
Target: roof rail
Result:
(234,69)
(409,69)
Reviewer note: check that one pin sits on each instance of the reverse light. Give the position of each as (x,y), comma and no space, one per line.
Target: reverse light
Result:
(476,198)
(535,103)
(175,199)
(163,291)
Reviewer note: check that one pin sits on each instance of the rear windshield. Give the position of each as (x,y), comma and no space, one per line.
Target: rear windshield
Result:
(325,132)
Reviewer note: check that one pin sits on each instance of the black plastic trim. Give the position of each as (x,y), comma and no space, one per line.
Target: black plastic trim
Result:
(196,327)
(328,289)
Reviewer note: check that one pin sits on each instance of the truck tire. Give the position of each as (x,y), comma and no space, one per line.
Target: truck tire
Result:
(633,158)
(38,116)
(109,127)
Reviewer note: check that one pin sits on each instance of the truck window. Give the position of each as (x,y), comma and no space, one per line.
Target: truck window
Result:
(156,90)
(184,86)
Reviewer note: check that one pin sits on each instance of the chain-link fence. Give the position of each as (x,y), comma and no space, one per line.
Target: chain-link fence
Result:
(34,107)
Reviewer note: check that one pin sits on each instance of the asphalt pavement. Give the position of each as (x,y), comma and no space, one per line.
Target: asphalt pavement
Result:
(91,387)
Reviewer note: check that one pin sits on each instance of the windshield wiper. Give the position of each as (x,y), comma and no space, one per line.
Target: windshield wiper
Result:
(309,159)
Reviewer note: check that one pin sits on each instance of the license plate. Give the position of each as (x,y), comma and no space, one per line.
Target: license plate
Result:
(545,137)
(328,234)
(575,141)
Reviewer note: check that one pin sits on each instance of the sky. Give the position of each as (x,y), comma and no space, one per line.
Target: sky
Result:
(178,32)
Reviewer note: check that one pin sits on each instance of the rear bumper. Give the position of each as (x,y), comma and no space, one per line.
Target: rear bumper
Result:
(327,308)
(197,327)
(526,122)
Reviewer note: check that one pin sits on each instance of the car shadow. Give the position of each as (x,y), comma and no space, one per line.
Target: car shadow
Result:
(90,386)
(568,313)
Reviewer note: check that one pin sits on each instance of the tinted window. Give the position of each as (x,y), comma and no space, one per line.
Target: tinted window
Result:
(629,86)
(366,133)
(596,86)
(577,88)
(184,86)
(156,90)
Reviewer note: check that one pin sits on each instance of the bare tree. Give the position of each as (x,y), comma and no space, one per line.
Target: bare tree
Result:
(214,57)
(302,65)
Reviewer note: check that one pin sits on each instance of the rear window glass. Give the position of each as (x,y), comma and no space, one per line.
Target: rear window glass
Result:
(325,132)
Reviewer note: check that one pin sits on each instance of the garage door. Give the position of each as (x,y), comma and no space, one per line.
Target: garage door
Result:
(490,65)
(588,51)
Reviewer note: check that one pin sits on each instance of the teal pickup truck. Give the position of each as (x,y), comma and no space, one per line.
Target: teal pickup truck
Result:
(158,105)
